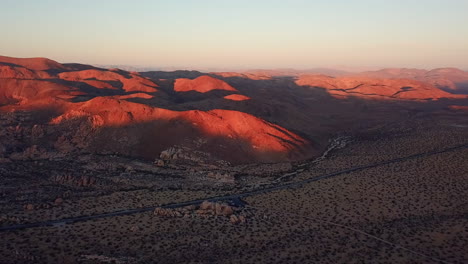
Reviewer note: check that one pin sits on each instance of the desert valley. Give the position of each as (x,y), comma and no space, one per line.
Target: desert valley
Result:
(104,165)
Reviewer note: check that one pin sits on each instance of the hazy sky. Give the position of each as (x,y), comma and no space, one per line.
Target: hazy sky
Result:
(240,33)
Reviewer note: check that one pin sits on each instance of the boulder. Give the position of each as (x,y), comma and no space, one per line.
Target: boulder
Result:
(207,205)
(168,154)
(167,212)
(58,201)
(237,219)
(223,209)
(161,211)
(227,210)
(234,219)
(160,163)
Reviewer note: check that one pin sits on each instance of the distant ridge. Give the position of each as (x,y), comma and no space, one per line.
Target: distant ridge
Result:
(37,64)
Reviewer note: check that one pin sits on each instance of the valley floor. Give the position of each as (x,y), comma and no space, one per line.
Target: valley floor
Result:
(409,211)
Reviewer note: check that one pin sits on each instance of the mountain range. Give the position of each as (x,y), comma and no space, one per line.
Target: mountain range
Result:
(255,116)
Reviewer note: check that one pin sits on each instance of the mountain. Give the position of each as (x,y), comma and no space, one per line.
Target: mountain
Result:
(295,72)
(115,111)
(36,64)
(201,84)
(375,88)
(452,80)
(236,117)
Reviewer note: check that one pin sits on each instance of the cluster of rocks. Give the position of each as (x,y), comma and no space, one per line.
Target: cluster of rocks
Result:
(57,202)
(31,153)
(6,219)
(237,219)
(182,153)
(222,177)
(27,140)
(159,162)
(198,164)
(170,154)
(213,208)
(178,154)
(81,181)
(177,212)
(205,209)
(30,206)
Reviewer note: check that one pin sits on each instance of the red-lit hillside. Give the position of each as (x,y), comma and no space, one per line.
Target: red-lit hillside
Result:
(201,84)
(100,98)
(390,89)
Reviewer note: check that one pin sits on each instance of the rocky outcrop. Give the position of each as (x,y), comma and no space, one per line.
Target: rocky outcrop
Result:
(34,206)
(30,206)
(167,212)
(213,208)
(237,219)
(159,162)
(227,178)
(10,220)
(30,153)
(205,209)
(187,155)
(169,154)
(80,181)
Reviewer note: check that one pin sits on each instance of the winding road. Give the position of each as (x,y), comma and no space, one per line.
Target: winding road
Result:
(236,196)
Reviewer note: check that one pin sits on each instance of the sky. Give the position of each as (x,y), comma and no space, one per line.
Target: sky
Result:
(241,34)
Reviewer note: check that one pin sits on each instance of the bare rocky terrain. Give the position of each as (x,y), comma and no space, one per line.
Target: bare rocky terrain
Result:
(107,166)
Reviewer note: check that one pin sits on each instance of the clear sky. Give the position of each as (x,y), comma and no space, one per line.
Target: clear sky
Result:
(239,34)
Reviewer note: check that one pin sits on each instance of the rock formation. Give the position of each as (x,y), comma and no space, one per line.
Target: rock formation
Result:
(205,209)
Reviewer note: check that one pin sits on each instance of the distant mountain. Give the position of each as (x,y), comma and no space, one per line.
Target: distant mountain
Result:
(172,74)
(452,80)
(36,64)
(375,87)
(294,72)
(128,68)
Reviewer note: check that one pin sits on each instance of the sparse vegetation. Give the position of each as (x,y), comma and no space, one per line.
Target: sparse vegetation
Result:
(416,207)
